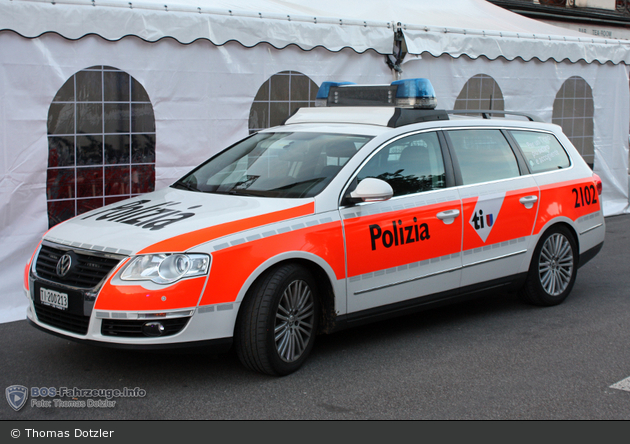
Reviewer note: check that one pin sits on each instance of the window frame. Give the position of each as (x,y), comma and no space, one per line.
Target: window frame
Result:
(513,140)
(268,89)
(464,103)
(446,160)
(584,141)
(520,159)
(114,90)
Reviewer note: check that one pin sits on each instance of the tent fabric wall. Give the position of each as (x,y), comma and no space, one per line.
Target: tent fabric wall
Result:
(201,87)
(201,96)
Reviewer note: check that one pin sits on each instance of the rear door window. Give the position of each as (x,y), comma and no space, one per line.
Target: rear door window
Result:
(483,155)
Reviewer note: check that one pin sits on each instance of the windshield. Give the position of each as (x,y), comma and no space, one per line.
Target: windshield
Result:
(275,165)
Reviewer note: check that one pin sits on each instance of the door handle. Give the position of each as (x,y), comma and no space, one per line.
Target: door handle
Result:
(528,201)
(448,216)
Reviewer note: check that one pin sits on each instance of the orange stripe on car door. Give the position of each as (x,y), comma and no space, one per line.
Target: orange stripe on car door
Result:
(413,235)
(513,221)
(232,266)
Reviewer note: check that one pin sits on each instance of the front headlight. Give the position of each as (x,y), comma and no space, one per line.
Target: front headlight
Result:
(165,268)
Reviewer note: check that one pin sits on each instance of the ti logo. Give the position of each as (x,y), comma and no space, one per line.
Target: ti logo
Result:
(485,214)
(16,396)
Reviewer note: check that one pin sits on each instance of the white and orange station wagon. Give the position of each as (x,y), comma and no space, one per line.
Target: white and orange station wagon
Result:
(372,205)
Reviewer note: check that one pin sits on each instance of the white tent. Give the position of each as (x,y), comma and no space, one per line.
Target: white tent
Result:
(458,27)
(203,63)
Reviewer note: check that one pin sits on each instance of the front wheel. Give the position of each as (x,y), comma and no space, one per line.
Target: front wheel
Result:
(553,268)
(278,323)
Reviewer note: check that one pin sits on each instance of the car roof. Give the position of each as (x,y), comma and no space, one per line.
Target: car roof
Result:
(372,120)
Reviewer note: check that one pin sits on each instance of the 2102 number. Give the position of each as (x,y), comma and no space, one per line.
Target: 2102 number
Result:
(586,195)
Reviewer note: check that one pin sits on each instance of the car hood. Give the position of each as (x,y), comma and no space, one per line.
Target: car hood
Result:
(172,220)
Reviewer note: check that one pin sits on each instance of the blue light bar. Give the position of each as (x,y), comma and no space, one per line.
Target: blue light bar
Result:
(418,93)
(323,91)
(408,93)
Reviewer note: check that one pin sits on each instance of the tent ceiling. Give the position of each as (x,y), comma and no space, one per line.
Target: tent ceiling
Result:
(457,27)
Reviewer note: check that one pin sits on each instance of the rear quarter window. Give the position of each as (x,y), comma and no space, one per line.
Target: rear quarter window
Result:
(542,151)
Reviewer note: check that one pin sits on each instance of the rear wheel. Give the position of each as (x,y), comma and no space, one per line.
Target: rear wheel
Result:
(278,323)
(553,268)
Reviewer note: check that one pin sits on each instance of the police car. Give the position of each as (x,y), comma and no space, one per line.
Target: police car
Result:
(372,205)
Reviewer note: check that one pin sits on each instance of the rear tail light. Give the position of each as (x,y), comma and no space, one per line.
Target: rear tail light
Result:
(598,184)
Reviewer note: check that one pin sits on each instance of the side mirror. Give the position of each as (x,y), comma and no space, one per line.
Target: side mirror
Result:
(371,189)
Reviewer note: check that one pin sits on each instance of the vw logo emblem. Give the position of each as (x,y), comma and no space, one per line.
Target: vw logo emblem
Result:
(63,265)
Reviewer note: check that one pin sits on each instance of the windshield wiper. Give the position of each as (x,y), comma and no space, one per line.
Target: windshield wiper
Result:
(186,186)
(243,192)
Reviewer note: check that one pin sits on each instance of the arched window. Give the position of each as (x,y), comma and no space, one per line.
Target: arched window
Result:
(573,110)
(101,142)
(279,97)
(481,92)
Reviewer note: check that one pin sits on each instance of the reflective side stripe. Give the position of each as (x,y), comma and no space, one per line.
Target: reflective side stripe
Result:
(187,241)
(406,281)
(590,229)
(573,199)
(512,221)
(379,241)
(272,230)
(233,265)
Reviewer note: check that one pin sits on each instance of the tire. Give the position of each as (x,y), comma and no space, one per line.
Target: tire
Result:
(278,321)
(553,269)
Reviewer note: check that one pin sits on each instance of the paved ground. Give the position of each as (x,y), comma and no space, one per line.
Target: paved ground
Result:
(492,358)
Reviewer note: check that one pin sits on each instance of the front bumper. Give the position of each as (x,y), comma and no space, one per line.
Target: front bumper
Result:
(209,326)
(220,345)
(90,304)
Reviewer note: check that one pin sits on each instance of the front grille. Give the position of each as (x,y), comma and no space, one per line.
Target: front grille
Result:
(133,328)
(61,319)
(87,272)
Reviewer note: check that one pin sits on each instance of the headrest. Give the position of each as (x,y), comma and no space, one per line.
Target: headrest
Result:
(344,148)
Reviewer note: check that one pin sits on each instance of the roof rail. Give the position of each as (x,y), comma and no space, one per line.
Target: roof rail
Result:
(407,116)
(487,113)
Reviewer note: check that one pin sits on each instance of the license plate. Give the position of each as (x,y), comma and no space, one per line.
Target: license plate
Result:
(53,298)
